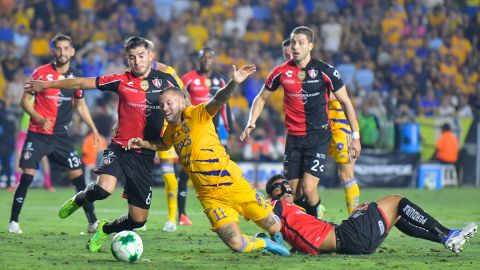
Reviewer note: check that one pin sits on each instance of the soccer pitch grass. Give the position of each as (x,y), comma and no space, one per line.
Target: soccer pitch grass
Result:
(48,242)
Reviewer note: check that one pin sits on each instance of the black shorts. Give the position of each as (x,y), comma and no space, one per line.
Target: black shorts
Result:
(363,232)
(58,148)
(306,154)
(132,167)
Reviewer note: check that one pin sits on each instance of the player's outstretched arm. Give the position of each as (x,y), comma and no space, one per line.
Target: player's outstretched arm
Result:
(67,84)
(137,143)
(224,94)
(255,111)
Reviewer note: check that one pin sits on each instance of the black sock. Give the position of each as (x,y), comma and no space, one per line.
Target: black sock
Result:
(123,223)
(416,231)
(416,216)
(20,196)
(301,202)
(312,209)
(88,208)
(182,192)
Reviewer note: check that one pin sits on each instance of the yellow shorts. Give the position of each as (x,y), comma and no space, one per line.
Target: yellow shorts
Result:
(341,131)
(223,205)
(169,154)
(339,147)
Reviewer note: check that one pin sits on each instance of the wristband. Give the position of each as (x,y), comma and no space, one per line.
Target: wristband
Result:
(355,135)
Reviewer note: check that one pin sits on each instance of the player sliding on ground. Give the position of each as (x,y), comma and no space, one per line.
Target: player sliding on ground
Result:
(221,189)
(364,231)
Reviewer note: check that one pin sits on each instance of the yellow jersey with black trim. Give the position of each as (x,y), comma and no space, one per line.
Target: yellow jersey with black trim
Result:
(169,70)
(338,120)
(199,150)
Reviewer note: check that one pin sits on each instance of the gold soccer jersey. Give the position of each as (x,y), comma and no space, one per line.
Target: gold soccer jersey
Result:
(199,150)
(220,186)
(341,133)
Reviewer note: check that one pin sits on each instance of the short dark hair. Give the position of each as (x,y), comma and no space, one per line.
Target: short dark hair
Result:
(304,30)
(446,127)
(286,42)
(269,186)
(135,41)
(60,37)
(206,50)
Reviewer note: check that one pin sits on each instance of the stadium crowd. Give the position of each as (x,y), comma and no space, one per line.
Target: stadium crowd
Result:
(400,59)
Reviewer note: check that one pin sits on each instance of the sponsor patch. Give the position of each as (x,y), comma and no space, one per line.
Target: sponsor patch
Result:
(144,85)
(301,75)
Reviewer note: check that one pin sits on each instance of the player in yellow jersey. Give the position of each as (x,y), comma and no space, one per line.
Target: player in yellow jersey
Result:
(342,136)
(221,188)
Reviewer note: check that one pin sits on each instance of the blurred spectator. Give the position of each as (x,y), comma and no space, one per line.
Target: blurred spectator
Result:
(331,33)
(428,104)
(369,126)
(446,147)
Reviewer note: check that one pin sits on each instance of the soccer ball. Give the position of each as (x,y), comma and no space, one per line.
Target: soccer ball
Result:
(127,246)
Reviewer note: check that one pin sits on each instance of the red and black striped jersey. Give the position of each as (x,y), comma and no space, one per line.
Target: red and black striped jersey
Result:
(301,230)
(139,113)
(53,103)
(306,94)
(202,89)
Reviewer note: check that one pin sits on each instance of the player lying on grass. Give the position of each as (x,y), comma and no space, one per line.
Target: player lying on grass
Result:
(221,188)
(364,231)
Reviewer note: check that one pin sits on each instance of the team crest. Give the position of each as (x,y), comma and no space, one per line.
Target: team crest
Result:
(144,85)
(27,155)
(301,75)
(157,82)
(109,158)
(313,73)
(215,81)
(208,82)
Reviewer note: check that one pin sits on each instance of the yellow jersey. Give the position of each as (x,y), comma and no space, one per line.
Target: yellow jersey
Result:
(169,70)
(199,150)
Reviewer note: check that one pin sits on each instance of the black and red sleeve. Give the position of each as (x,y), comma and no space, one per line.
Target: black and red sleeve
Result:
(109,82)
(273,80)
(332,78)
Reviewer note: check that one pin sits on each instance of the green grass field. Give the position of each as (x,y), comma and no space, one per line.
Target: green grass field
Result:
(48,242)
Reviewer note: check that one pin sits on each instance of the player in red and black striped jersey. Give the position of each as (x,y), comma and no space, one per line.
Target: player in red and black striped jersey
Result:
(364,231)
(48,132)
(307,83)
(139,115)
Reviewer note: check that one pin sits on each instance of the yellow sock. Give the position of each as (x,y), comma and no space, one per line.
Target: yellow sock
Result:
(171,189)
(352,194)
(251,243)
